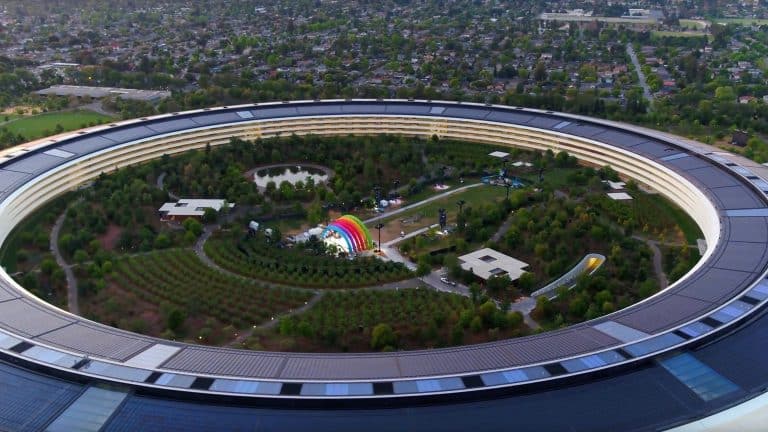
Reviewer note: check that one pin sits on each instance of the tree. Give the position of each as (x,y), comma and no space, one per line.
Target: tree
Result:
(80,256)
(47,266)
(209,215)
(383,336)
(162,241)
(423,268)
(725,94)
(525,282)
(540,72)
(176,318)
(193,226)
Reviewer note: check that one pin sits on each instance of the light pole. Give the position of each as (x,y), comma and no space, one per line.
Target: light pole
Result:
(379,226)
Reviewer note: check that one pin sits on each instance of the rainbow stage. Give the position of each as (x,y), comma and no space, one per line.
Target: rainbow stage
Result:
(349,234)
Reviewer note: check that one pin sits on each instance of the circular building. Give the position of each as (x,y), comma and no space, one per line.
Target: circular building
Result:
(682,354)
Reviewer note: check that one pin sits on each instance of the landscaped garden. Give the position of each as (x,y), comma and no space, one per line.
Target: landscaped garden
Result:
(306,265)
(173,292)
(262,289)
(390,320)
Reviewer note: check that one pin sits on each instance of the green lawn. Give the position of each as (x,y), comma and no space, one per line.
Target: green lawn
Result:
(741,21)
(45,124)
(4,118)
(472,197)
(683,34)
(692,24)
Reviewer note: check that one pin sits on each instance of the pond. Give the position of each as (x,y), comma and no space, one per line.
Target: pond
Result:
(290,173)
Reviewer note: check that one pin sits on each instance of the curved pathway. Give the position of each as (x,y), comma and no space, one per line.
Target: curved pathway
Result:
(242,337)
(661,276)
(161,185)
(72,293)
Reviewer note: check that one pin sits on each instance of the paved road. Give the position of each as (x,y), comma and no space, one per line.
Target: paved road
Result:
(640,75)
(420,203)
(72,294)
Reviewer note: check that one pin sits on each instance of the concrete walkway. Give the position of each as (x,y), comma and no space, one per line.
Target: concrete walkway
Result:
(72,292)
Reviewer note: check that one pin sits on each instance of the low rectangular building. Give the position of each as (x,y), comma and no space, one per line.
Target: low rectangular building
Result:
(486,263)
(186,208)
(102,92)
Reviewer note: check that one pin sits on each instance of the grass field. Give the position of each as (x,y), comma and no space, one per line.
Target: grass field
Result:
(472,197)
(692,24)
(741,21)
(45,124)
(680,34)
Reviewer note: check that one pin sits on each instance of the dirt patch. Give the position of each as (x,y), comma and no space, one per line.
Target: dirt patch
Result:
(24,109)
(110,238)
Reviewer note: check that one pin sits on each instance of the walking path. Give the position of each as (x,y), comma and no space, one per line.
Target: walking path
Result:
(72,293)
(657,266)
(242,337)
(503,228)
(161,185)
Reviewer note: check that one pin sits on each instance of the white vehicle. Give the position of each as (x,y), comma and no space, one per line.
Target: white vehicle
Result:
(446,281)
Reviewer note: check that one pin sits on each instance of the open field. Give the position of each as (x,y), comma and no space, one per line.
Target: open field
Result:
(741,21)
(693,24)
(45,124)
(681,34)
(426,215)
(579,18)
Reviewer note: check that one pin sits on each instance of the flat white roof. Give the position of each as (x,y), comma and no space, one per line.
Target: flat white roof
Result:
(615,185)
(498,154)
(193,207)
(487,262)
(619,196)
(521,163)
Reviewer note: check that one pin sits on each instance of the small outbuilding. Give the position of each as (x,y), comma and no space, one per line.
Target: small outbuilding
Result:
(191,208)
(486,263)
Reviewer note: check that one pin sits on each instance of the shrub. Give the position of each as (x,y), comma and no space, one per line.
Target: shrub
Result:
(383,336)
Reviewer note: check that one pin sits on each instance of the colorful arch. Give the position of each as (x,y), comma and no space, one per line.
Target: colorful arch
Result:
(353,231)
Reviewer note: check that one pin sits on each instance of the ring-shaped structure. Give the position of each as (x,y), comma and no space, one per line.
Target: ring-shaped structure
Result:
(624,352)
